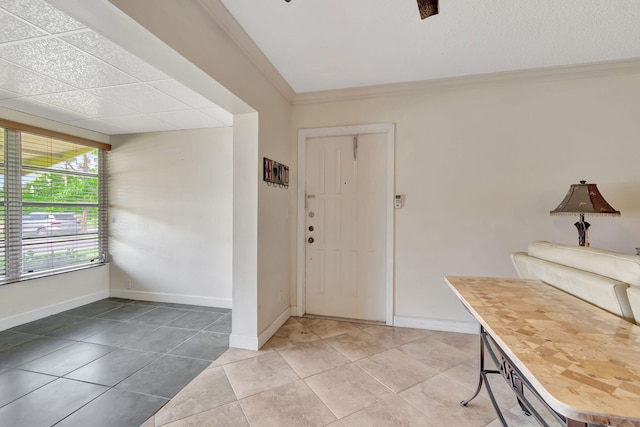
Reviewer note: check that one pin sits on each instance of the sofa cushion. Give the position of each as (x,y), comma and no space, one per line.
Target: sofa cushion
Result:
(622,267)
(604,292)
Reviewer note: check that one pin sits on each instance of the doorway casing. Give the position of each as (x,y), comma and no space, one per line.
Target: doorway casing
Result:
(303,135)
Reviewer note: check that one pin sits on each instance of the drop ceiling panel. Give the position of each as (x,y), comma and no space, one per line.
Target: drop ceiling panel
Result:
(188,119)
(40,109)
(141,98)
(183,94)
(219,114)
(128,124)
(26,82)
(42,15)
(52,66)
(84,103)
(57,59)
(114,55)
(13,29)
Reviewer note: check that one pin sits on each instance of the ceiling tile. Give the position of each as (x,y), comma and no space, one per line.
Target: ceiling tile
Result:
(59,60)
(98,125)
(191,119)
(141,98)
(5,94)
(41,14)
(221,115)
(184,94)
(113,54)
(85,103)
(13,29)
(27,82)
(36,108)
(127,124)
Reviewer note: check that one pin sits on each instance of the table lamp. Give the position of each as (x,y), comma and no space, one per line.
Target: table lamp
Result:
(584,199)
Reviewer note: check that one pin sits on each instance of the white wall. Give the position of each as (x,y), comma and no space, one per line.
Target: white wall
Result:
(170,216)
(482,165)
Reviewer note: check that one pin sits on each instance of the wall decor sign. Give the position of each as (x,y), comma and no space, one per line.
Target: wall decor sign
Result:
(275,174)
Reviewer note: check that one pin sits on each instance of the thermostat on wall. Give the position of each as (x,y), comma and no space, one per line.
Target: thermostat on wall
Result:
(398,201)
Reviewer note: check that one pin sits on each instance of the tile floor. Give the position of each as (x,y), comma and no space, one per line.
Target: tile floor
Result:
(319,372)
(111,363)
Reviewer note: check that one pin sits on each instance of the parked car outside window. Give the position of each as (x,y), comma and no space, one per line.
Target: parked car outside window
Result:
(50,224)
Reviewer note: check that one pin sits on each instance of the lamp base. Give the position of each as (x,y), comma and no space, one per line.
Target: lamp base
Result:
(583,235)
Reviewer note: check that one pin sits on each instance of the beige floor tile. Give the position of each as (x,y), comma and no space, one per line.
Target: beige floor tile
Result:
(290,336)
(395,337)
(325,328)
(229,415)
(312,358)
(357,344)
(149,423)
(290,405)
(291,321)
(467,373)
(258,374)
(515,418)
(208,390)
(439,398)
(396,370)
(347,389)
(392,411)
(435,354)
(235,355)
(337,423)
(468,343)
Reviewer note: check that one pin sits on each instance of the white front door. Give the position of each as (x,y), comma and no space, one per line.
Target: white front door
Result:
(345,226)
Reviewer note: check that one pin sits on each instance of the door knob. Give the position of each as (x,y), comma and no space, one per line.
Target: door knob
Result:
(310,240)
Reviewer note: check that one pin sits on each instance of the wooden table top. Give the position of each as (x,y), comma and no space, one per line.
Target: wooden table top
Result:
(584,361)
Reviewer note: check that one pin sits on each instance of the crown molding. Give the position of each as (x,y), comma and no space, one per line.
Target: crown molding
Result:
(221,15)
(571,72)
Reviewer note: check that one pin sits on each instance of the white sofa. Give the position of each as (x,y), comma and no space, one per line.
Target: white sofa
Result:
(607,279)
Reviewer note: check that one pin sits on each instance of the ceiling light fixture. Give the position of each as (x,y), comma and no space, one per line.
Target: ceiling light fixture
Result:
(427,8)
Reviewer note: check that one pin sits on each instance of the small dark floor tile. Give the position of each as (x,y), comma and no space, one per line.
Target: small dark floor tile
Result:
(164,377)
(67,359)
(205,345)
(215,309)
(119,300)
(49,404)
(160,316)
(47,324)
(15,383)
(31,350)
(162,340)
(94,308)
(9,339)
(196,320)
(180,306)
(115,408)
(114,367)
(84,328)
(126,312)
(121,334)
(222,325)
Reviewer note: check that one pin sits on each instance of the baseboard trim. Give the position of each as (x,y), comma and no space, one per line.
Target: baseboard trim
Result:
(437,324)
(174,298)
(42,312)
(243,341)
(273,327)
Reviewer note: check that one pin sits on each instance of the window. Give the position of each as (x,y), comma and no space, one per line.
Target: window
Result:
(52,204)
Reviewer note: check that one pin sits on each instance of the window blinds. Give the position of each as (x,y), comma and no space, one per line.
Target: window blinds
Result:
(53,206)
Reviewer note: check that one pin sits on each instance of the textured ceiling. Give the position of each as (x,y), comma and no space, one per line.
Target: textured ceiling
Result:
(54,67)
(333,44)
